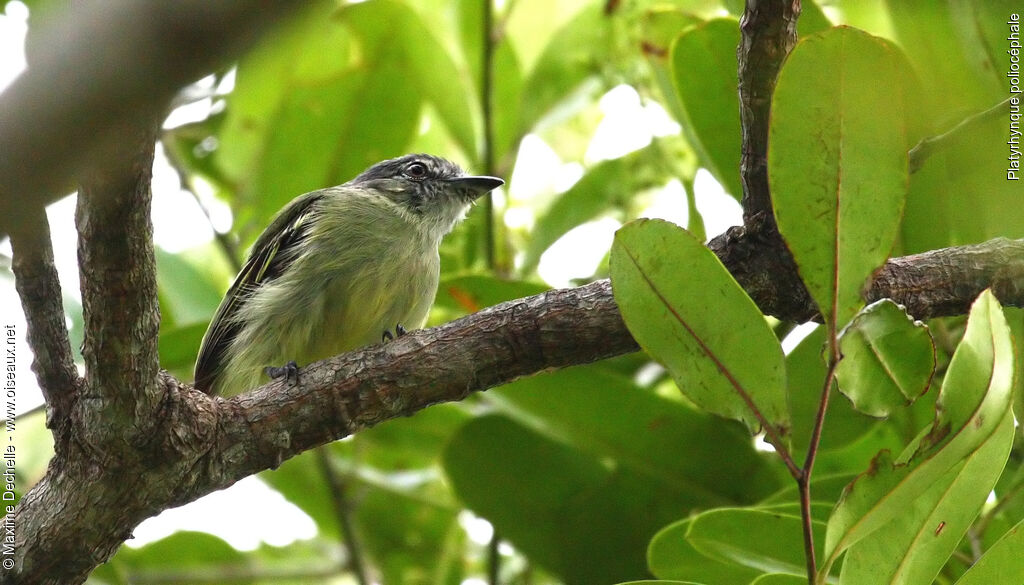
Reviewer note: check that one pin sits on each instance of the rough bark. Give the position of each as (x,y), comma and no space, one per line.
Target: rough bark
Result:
(37,285)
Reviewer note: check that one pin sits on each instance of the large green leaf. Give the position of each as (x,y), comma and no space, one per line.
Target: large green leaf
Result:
(325,97)
(768,541)
(686,311)
(189,293)
(1003,563)
(180,551)
(779,579)
(576,515)
(410,540)
(704,76)
(888,359)
(671,556)
(574,56)
(942,39)
(603,413)
(914,546)
(427,63)
(805,373)
(973,404)
(837,162)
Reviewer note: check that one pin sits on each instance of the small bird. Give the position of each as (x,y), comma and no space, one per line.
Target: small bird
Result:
(337,269)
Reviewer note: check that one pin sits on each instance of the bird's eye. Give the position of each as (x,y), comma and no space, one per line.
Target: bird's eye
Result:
(416,170)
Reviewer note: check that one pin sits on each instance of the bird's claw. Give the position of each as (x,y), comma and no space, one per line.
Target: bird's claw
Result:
(400,330)
(289,371)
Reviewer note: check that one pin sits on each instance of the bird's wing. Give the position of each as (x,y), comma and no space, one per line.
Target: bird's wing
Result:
(270,256)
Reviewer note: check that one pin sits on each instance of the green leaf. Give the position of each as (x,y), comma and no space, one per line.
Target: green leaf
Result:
(182,550)
(409,538)
(409,443)
(824,488)
(1003,563)
(779,579)
(913,547)
(316,103)
(973,403)
(427,63)
(188,293)
(812,20)
(684,308)
(837,162)
(568,66)
(767,541)
(888,359)
(805,373)
(704,76)
(575,515)
(671,556)
(604,414)
(179,347)
(942,44)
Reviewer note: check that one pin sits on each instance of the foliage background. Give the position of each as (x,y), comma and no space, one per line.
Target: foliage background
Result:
(576,470)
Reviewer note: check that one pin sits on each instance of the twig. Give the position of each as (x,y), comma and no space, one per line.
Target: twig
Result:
(227,245)
(39,289)
(486,107)
(343,512)
(927,146)
(494,559)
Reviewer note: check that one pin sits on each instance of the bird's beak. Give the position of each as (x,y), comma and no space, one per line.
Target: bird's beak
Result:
(474,187)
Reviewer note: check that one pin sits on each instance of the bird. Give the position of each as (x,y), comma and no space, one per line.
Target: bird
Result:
(337,269)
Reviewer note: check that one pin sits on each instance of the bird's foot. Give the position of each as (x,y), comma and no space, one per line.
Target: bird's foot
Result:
(289,371)
(388,336)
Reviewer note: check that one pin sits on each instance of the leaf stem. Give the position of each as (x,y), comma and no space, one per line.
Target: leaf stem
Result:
(804,480)
(927,146)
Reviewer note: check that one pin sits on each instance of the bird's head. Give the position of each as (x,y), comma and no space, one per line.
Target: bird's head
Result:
(430,189)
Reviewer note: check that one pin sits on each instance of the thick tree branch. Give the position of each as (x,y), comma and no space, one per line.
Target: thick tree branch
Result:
(945,282)
(119,295)
(39,289)
(101,65)
(768,34)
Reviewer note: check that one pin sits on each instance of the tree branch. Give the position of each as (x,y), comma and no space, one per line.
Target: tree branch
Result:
(119,295)
(768,34)
(39,289)
(81,512)
(101,64)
